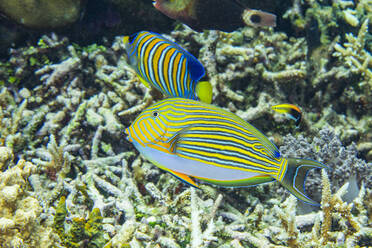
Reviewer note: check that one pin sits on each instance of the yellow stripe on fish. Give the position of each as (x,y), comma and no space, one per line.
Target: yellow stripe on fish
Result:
(167,66)
(191,138)
(292,111)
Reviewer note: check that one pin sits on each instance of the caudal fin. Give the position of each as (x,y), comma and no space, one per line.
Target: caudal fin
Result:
(295,176)
(204,91)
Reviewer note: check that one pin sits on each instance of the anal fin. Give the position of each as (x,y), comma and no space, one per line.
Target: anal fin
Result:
(184,178)
(246,182)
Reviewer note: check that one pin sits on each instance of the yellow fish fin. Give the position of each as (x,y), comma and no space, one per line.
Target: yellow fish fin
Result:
(252,181)
(183,177)
(143,81)
(126,39)
(204,91)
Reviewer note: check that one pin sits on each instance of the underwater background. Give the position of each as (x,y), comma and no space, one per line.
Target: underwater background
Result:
(69,178)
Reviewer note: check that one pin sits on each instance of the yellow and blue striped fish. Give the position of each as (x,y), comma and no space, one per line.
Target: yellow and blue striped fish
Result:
(167,66)
(191,138)
(292,111)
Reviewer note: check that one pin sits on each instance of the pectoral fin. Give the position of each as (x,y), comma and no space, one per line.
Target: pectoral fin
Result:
(177,138)
(143,81)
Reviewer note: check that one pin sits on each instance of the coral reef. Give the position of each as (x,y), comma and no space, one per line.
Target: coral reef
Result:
(83,232)
(344,166)
(21,221)
(245,72)
(64,107)
(355,55)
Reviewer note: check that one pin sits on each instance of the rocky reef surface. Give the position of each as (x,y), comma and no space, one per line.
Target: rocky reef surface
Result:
(68,175)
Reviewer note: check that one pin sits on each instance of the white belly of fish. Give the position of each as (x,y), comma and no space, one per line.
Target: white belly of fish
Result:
(192,167)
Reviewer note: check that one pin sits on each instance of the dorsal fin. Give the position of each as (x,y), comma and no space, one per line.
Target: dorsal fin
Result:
(270,148)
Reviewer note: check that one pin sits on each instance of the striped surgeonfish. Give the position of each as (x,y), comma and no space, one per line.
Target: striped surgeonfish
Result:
(191,138)
(167,66)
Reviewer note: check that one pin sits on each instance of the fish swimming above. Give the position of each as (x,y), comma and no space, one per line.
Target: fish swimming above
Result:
(188,139)
(291,111)
(223,15)
(166,66)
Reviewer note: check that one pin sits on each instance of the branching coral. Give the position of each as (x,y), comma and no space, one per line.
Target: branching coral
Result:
(69,122)
(10,118)
(356,57)
(337,224)
(24,61)
(334,208)
(55,163)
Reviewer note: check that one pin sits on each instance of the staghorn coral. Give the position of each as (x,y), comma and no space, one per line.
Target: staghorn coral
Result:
(25,60)
(355,55)
(278,224)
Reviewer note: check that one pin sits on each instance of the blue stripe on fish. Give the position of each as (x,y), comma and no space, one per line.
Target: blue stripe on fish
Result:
(167,66)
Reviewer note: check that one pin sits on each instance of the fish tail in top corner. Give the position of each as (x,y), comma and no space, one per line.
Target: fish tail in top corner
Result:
(258,18)
(294,177)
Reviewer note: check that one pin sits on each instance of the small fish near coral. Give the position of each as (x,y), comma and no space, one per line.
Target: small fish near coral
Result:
(223,15)
(291,111)
(190,138)
(166,66)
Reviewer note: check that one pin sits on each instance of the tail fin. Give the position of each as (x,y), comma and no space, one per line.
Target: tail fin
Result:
(204,91)
(295,176)
(257,18)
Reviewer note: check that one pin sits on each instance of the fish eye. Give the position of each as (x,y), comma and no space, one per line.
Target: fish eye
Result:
(155,114)
(255,19)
